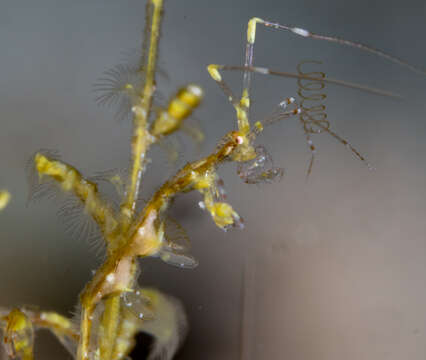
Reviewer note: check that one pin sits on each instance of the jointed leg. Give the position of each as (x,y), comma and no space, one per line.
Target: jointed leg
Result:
(348,145)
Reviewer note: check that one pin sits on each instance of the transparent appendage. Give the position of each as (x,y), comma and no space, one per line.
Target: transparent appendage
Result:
(260,169)
(138,304)
(177,258)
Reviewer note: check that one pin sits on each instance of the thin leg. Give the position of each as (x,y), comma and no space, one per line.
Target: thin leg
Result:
(348,145)
(313,151)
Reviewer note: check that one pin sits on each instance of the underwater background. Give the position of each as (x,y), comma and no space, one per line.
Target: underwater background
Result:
(326,268)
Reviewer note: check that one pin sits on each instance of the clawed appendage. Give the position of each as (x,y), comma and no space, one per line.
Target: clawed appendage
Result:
(113,308)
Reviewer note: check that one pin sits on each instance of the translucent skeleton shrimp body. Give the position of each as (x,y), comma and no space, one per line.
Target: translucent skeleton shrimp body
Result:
(113,307)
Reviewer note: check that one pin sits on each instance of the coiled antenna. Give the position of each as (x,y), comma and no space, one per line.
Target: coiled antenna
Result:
(313,116)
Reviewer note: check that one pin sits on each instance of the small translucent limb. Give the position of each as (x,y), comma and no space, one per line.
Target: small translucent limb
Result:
(344,142)
(179,108)
(260,169)
(72,181)
(313,150)
(19,335)
(142,109)
(286,109)
(169,242)
(138,304)
(178,258)
(173,245)
(175,235)
(324,126)
(4,198)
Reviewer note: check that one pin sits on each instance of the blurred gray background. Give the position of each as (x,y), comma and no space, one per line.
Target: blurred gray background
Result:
(329,268)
